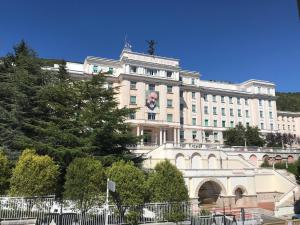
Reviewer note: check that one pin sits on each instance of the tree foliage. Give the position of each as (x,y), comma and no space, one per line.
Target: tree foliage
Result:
(130,184)
(166,184)
(85,182)
(34,175)
(281,140)
(59,116)
(4,173)
(288,101)
(238,135)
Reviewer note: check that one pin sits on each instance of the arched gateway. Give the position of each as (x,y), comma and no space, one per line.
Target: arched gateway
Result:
(209,192)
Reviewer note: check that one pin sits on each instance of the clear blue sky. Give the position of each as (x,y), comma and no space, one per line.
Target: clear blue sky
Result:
(231,40)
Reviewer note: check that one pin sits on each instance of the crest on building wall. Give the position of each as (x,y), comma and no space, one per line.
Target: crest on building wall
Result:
(152,99)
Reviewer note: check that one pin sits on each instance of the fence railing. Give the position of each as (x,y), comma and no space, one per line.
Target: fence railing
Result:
(46,209)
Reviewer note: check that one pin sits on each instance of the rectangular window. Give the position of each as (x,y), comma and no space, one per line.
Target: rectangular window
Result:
(205,97)
(169,103)
(95,69)
(181,120)
(223,123)
(181,134)
(151,72)
(132,116)
(214,98)
(110,70)
(271,115)
(289,127)
(193,108)
(151,87)
(215,110)
(261,114)
(230,100)
(205,110)
(223,111)
(239,113)
(132,100)
(215,123)
(132,85)
(169,89)
(262,126)
(259,89)
(193,95)
(247,124)
(193,81)
(231,124)
(272,126)
(215,136)
(194,121)
(133,69)
(169,117)
(231,112)
(222,99)
(238,100)
(169,74)
(294,127)
(270,103)
(260,102)
(151,116)
(206,123)
(246,102)
(247,113)
(194,134)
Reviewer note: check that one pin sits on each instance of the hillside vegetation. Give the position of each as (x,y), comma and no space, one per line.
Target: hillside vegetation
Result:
(288,101)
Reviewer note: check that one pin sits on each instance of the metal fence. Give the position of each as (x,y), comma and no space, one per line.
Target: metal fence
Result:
(46,210)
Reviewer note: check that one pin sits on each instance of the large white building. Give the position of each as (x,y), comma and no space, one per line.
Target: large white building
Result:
(182,118)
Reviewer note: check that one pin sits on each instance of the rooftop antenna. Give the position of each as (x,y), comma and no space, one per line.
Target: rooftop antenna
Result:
(127,45)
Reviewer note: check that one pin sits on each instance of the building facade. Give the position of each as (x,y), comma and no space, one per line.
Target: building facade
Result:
(182,118)
(184,107)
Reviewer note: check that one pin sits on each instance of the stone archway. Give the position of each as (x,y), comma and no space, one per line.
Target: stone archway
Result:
(209,192)
(239,193)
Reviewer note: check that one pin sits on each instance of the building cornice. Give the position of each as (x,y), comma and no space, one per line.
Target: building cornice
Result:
(288,113)
(238,93)
(152,79)
(150,64)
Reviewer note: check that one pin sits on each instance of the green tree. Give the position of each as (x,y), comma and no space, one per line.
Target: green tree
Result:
(166,184)
(130,184)
(34,175)
(4,173)
(240,135)
(288,101)
(85,182)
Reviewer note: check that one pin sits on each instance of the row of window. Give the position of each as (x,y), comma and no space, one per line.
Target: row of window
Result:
(151,87)
(238,100)
(151,116)
(288,127)
(150,71)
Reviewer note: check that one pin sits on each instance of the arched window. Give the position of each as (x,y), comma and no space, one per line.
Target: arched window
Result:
(180,161)
(196,161)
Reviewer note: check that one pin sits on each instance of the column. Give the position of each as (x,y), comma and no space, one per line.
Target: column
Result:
(165,136)
(174,136)
(160,136)
(142,133)
(138,130)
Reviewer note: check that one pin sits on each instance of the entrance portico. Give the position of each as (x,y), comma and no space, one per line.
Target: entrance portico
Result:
(158,135)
